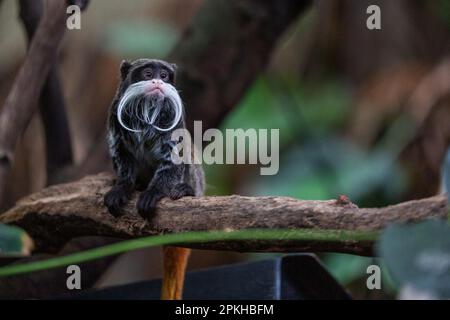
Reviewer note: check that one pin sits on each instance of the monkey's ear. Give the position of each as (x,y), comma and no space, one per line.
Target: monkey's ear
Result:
(174,66)
(124,68)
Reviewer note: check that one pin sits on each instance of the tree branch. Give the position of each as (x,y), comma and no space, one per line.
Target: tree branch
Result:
(59,213)
(20,103)
(52,106)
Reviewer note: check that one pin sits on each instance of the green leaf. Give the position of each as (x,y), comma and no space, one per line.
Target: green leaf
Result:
(14,241)
(191,237)
(419,256)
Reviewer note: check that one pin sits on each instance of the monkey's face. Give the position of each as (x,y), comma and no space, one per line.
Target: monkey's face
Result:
(149,97)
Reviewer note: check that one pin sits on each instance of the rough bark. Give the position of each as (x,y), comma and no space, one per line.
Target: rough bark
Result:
(59,213)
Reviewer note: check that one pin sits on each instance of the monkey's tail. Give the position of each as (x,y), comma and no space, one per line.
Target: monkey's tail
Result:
(174,266)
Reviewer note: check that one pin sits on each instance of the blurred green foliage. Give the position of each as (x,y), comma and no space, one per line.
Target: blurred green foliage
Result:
(348,268)
(421,261)
(317,162)
(141,39)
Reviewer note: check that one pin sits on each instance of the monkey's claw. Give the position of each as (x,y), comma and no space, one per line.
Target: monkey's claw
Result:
(147,201)
(115,199)
(181,190)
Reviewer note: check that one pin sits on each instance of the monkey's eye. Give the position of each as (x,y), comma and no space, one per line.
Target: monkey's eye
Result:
(164,75)
(147,74)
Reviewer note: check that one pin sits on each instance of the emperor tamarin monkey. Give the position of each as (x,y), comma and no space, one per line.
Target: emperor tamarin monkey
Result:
(145,111)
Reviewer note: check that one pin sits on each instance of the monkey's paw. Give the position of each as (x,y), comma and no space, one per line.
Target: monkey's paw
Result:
(147,202)
(181,190)
(115,199)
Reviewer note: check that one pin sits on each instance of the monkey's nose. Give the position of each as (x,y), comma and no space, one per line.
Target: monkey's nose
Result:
(157,82)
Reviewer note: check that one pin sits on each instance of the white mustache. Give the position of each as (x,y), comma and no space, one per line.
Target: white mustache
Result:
(135,99)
